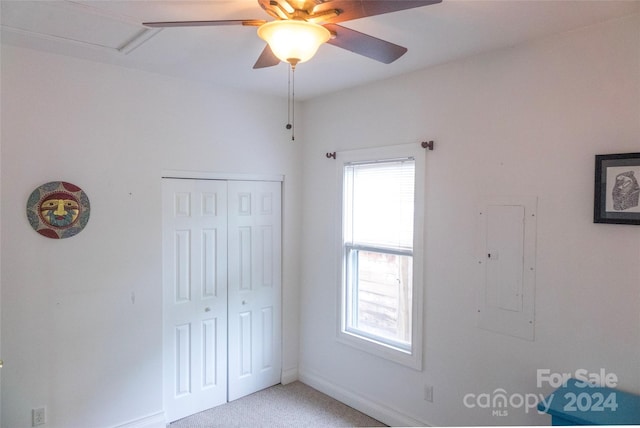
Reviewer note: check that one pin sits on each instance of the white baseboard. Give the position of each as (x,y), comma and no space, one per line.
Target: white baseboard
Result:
(289,376)
(377,411)
(151,421)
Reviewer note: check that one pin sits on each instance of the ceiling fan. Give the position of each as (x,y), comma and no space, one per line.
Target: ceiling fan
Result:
(318,19)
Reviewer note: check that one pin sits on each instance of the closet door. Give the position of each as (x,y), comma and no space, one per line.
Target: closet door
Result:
(194,216)
(254,286)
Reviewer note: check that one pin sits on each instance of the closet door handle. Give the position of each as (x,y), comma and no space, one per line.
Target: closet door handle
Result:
(244,302)
(207,309)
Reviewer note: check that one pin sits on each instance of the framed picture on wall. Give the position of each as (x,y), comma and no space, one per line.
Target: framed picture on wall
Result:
(617,189)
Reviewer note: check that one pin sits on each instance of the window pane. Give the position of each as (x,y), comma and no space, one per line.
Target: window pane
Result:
(381,296)
(379,203)
(382,210)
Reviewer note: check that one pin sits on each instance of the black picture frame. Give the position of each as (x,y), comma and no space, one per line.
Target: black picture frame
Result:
(617,189)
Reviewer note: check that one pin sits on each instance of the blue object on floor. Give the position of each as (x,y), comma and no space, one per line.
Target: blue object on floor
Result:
(579,403)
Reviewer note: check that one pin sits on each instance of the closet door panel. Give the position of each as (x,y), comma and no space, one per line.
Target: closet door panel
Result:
(255,340)
(194,216)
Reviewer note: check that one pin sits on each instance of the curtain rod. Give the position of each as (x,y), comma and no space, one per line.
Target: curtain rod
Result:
(425,145)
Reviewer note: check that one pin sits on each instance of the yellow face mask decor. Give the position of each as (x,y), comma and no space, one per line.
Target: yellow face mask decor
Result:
(58,210)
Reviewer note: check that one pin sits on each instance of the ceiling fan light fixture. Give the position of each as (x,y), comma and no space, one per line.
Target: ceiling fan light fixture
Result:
(293,41)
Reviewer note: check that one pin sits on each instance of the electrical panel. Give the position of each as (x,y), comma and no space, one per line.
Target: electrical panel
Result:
(506,257)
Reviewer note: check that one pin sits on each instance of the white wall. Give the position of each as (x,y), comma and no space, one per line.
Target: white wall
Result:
(72,338)
(523,121)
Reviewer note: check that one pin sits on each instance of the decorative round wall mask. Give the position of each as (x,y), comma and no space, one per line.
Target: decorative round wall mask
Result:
(58,209)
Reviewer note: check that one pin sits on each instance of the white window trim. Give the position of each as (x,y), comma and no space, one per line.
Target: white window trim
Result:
(412,359)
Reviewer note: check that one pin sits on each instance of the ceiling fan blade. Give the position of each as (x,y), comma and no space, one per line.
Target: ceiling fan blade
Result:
(363,44)
(245,22)
(354,9)
(266,59)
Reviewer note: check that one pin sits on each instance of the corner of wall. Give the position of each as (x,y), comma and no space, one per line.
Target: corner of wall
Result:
(289,376)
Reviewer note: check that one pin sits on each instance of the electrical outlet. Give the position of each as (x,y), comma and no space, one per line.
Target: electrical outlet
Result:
(37,416)
(428,393)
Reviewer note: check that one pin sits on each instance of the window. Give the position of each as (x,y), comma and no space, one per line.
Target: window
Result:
(380,298)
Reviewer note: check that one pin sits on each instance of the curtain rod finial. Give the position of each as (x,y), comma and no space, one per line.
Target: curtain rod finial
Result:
(427,145)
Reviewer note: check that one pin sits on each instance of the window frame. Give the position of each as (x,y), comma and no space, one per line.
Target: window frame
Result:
(411,357)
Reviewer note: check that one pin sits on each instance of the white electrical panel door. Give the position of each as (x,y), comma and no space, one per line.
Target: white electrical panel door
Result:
(505,256)
(507,259)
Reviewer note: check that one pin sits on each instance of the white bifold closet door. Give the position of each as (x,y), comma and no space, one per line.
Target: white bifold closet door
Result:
(254,269)
(222,288)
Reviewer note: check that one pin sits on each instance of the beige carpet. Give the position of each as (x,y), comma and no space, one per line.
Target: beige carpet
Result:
(292,405)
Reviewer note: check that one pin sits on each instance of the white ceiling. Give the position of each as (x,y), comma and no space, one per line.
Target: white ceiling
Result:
(110,31)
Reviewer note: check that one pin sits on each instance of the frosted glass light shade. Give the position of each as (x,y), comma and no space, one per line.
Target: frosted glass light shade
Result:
(293,41)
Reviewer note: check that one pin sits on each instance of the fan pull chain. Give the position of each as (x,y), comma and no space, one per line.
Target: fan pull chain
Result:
(291,98)
(293,103)
(288,98)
